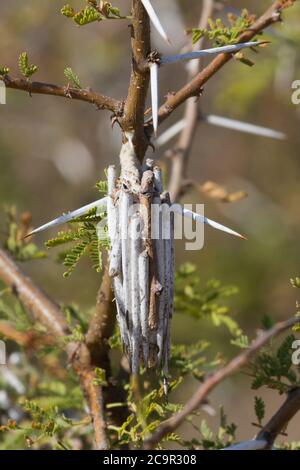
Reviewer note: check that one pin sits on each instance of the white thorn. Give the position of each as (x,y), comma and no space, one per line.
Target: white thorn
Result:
(154,94)
(155,20)
(100,204)
(170,133)
(225,122)
(244,127)
(205,52)
(204,220)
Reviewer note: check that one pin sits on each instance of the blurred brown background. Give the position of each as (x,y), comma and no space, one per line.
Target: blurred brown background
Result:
(53,150)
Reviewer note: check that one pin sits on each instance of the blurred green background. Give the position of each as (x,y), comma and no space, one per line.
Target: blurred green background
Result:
(53,150)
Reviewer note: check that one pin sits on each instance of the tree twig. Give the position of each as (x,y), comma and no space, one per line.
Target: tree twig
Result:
(275,426)
(87,95)
(211,382)
(280,420)
(49,314)
(102,325)
(194,87)
(43,309)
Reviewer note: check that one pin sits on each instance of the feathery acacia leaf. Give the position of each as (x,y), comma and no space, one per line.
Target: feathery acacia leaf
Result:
(86,16)
(25,68)
(221,34)
(72,77)
(260,408)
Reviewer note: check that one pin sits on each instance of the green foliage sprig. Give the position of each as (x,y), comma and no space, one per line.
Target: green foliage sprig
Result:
(92,12)
(87,243)
(202,300)
(274,368)
(21,248)
(4,70)
(260,409)
(221,34)
(90,238)
(25,68)
(72,77)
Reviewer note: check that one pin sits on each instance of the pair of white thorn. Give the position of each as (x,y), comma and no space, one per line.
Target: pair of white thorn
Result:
(224,122)
(101,205)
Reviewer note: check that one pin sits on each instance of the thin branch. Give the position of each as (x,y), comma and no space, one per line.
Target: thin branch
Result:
(87,95)
(211,382)
(43,309)
(102,325)
(133,118)
(49,314)
(194,87)
(275,426)
(28,339)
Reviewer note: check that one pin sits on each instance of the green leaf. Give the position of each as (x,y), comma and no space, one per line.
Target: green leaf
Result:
(86,16)
(259,407)
(68,11)
(267,322)
(62,238)
(102,187)
(100,379)
(25,68)
(205,430)
(110,11)
(295,282)
(74,255)
(76,336)
(4,71)
(72,77)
